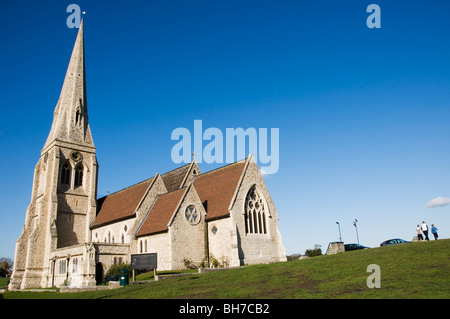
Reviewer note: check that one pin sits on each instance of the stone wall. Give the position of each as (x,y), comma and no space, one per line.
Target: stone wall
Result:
(159,244)
(255,248)
(113,233)
(157,187)
(220,239)
(107,254)
(335,247)
(76,205)
(188,240)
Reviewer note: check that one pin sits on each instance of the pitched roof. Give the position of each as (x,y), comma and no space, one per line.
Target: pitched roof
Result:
(120,205)
(173,179)
(217,188)
(123,204)
(161,212)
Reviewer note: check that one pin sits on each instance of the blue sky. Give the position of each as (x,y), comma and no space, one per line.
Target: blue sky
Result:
(363,113)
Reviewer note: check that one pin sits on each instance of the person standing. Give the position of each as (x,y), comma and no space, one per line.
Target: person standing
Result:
(419,233)
(425,230)
(434,231)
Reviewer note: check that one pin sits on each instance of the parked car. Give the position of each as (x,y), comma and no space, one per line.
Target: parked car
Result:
(349,247)
(394,241)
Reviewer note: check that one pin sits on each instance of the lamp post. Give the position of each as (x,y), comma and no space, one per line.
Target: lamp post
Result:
(356,227)
(339,226)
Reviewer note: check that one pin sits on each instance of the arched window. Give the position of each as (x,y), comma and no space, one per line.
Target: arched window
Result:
(77,116)
(79,175)
(255,213)
(65,173)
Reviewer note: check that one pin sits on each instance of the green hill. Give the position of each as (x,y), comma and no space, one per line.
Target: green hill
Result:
(416,270)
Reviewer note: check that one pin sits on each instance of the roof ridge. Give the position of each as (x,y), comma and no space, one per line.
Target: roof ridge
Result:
(138,183)
(176,169)
(123,189)
(222,167)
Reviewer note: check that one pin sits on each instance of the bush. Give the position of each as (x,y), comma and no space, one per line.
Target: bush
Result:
(5,266)
(222,262)
(115,269)
(313,252)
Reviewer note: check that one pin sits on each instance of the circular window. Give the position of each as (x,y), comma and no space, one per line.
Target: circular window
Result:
(76,156)
(192,215)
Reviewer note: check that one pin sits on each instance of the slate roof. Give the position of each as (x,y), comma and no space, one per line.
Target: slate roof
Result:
(173,179)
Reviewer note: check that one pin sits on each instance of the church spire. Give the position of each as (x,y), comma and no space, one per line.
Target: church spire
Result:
(70,119)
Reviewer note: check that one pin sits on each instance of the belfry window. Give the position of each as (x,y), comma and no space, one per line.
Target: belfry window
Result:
(65,173)
(255,213)
(78,116)
(78,175)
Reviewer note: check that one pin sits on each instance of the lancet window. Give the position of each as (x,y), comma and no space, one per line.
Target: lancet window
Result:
(78,175)
(65,173)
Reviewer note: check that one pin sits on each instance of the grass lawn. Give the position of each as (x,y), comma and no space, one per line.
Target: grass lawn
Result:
(417,270)
(4,282)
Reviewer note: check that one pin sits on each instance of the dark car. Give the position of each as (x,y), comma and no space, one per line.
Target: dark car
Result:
(349,247)
(394,241)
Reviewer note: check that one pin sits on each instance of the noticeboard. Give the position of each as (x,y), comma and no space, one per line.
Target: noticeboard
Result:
(144,261)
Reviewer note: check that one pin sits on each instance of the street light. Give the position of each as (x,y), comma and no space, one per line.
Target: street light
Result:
(356,227)
(339,226)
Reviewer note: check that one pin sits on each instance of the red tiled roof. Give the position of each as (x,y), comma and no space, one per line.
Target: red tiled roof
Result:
(161,212)
(120,205)
(217,188)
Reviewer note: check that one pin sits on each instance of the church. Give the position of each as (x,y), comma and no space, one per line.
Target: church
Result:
(70,237)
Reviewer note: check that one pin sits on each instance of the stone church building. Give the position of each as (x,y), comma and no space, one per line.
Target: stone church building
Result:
(71,238)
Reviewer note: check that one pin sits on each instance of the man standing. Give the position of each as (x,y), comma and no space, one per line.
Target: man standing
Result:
(434,231)
(425,230)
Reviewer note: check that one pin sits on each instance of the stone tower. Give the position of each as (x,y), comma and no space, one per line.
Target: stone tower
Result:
(63,199)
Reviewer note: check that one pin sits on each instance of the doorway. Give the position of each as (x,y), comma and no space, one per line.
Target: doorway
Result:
(99,273)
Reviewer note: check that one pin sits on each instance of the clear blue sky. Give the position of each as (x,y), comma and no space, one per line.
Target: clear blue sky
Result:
(363,113)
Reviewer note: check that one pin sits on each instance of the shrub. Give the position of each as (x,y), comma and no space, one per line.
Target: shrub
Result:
(313,252)
(115,269)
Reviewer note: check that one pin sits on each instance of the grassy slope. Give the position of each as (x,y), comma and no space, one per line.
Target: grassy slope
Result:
(418,270)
